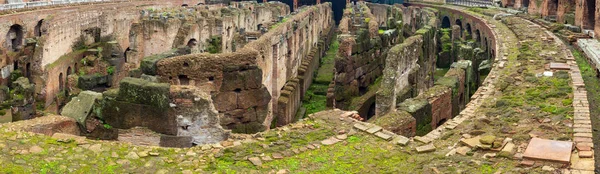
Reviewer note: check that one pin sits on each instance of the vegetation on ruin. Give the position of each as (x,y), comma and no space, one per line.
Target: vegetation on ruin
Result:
(214,45)
(315,99)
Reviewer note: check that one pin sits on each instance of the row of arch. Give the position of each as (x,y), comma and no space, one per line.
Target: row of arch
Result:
(15,35)
(446,23)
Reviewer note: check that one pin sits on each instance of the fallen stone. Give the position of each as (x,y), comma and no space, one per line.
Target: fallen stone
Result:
(132,155)
(341,137)
(551,150)
(277,156)
(96,148)
(488,139)
(489,155)
(361,126)
(401,140)
(426,148)
(507,150)
(463,150)
(548,168)
(424,140)
(36,149)
(282,171)
(382,135)
(266,158)
(310,146)
(471,142)
(330,141)
(255,160)
(452,152)
(374,129)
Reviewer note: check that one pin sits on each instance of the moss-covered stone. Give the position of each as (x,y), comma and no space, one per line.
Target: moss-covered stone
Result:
(134,90)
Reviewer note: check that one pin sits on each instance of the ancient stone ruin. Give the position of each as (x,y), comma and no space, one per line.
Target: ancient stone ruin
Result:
(299,86)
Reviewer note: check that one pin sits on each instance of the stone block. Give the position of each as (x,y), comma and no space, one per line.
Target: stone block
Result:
(80,107)
(426,148)
(175,141)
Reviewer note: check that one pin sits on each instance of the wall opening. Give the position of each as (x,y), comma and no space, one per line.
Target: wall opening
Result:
(371,112)
(38,28)
(525,3)
(589,16)
(442,121)
(28,70)
(14,38)
(192,43)
(125,54)
(446,22)
(184,80)
(469,33)
(15,65)
(61,86)
(552,7)
(477,36)
(459,23)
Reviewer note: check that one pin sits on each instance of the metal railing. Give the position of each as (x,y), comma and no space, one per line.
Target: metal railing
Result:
(21,4)
(472,3)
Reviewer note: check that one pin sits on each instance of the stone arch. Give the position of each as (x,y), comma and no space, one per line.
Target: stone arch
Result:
(38,28)
(446,22)
(61,86)
(14,37)
(469,32)
(191,43)
(459,23)
(69,71)
(125,54)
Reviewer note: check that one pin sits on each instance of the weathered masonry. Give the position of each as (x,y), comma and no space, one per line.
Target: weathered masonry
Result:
(584,14)
(409,101)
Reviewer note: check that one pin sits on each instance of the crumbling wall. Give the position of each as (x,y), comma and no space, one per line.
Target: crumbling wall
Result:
(401,63)
(362,51)
(247,84)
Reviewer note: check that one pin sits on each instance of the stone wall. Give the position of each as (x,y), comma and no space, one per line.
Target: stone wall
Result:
(182,111)
(361,56)
(409,66)
(246,85)
(430,106)
(293,92)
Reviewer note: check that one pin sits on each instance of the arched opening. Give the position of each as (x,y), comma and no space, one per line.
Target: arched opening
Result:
(442,121)
(68,73)
(14,37)
(552,7)
(525,4)
(589,14)
(477,37)
(371,112)
(184,5)
(459,23)
(192,43)
(125,54)
(469,33)
(446,22)
(61,86)
(28,70)
(183,80)
(38,28)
